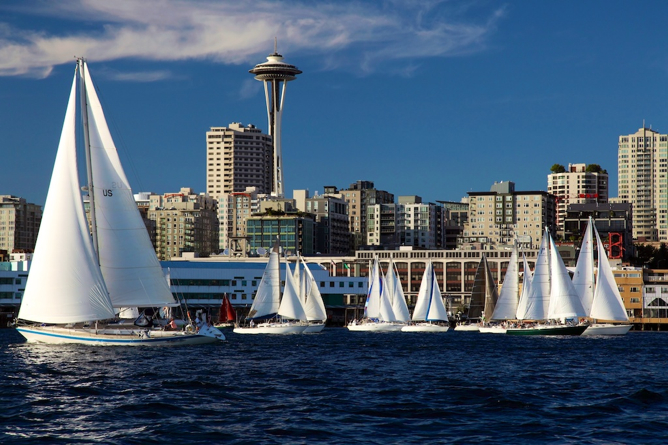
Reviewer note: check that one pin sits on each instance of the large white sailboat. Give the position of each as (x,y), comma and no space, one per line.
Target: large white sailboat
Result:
(78,283)
(430,314)
(378,312)
(271,312)
(607,303)
(553,300)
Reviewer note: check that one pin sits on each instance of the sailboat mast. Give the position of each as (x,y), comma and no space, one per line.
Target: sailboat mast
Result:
(84,116)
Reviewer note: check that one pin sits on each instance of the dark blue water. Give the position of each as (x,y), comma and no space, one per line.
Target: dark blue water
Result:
(339,387)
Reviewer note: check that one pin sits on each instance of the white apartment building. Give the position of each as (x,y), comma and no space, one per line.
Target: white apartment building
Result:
(577,186)
(408,223)
(642,165)
(238,157)
(499,216)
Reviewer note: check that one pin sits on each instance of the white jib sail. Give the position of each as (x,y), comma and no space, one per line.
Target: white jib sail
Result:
(526,288)
(506,305)
(564,300)
(583,277)
(65,284)
(397,298)
(128,261)
(314,306)
(386,312)
(607,304)
(291,306)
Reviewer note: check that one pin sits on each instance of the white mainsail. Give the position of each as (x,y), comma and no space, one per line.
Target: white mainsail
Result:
(526,288)
(65,284)
(268,295)
(128,261)
(506,305)
(429,305)
(583,277)
(313,306)
(564,300)
(397,297)
(607,304)
(291,306)
(373,298)
(386,311)
(536,304)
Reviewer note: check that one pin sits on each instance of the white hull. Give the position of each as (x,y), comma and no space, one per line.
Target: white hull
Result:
(314,328)
(272,328)
(608,329)
(58,335)
(425,327)
(467,328)
(492,330)
(375,327)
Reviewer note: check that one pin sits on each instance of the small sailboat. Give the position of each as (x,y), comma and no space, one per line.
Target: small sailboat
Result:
(378,312)
(314,307)
(430,314)
(607,303)
(81,277)
(227,316)
(553,301)
(483,299)
(271,312)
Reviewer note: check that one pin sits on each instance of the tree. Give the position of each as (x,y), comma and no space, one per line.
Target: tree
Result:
(558,168)
(595,168)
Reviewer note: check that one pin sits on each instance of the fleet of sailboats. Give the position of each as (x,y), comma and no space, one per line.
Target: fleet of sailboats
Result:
(273,312)
(79,282)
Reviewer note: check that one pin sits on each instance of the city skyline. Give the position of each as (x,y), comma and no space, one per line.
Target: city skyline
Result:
(433,99)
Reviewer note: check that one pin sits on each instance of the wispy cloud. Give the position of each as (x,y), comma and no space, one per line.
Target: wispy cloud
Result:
(375,35)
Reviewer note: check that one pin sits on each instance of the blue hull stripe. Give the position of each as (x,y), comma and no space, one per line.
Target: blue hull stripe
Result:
(104,340)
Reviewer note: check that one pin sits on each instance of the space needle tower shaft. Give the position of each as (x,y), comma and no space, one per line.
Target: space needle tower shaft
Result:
(275,74)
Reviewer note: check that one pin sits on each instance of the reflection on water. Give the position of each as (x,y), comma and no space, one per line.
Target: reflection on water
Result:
(339,387)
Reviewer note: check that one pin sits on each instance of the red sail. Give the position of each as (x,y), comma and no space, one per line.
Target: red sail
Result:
(227,312)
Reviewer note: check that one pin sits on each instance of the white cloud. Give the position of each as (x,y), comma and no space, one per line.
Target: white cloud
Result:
(373,34)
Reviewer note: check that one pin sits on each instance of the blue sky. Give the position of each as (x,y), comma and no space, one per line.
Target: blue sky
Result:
(430,98)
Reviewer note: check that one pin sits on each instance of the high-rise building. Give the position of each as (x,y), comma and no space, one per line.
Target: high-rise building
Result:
(233,210)
(359,196)
(275,74)
(499,216)
(330,210)
(238,157)
(642,165)
(19,224)
(185,222)
(579,184)
(408,223)
(296,233)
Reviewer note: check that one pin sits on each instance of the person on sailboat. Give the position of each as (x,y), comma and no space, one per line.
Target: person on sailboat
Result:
(171,326)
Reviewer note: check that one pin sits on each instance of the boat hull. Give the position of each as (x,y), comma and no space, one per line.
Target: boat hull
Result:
(375,327)
(425,327)
(314,328)
(607,329)
(467,328)
(272,328)
(547,330)
(58,335)
(492,330)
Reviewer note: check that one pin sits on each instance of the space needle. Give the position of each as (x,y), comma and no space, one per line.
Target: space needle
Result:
(275,74)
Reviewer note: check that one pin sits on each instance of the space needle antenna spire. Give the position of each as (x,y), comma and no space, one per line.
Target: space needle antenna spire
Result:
(275,74)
